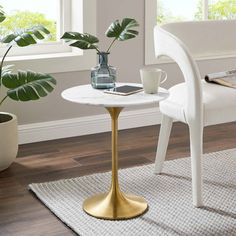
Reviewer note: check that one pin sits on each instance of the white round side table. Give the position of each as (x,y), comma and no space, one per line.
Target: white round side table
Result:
(113,205)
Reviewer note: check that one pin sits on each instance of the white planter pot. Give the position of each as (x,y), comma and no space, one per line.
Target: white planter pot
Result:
(8,139)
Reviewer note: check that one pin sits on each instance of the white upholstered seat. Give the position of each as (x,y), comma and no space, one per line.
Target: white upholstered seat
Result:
(216,99)
(194,102)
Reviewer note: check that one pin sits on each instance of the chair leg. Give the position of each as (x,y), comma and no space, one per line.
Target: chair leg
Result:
(163,141)
(196,143)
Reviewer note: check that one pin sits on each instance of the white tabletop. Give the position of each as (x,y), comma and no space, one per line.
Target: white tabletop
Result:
(85,94)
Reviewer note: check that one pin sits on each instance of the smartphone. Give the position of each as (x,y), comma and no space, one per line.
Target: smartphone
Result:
(124,90)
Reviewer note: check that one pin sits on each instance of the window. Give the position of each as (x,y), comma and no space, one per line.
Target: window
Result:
(25,14)
(221,9)
(58,16)
(171,10)
(165,11)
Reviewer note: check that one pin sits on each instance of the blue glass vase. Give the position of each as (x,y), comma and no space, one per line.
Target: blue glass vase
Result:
(103,76)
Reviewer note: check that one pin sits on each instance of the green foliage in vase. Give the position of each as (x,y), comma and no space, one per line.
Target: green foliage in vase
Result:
(23,85)
(120,31)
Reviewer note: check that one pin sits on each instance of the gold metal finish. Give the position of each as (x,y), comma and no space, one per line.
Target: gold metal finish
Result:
(115,205)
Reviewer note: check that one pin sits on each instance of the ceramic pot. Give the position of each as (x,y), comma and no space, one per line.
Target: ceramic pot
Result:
(8,139)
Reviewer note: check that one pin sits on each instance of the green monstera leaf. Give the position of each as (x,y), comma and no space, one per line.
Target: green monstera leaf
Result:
(82,41)
(124,30)
(5,70)
(2,14)
(119,31)
(28,85)
(26,37)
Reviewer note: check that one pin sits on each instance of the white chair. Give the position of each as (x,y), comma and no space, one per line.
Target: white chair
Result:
(194,102)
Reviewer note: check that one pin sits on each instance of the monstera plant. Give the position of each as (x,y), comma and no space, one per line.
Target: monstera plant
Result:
(103,75)
(21,86)
(118,31)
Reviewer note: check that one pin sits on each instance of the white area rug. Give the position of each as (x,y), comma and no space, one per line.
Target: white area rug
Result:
(168,195)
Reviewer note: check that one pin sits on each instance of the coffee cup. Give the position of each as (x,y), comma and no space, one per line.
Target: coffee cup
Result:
(151,79)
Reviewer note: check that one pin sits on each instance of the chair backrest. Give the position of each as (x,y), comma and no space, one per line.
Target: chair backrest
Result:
(204,38)
(184,41)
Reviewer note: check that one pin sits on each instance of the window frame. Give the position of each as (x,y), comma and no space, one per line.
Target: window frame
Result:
(48,47)
(150,23)
(55,57)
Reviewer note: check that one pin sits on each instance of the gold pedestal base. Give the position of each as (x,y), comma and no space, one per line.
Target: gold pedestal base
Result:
(115,205)
(119,207)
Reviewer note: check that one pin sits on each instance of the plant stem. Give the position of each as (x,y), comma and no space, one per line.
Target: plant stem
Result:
(3,100)
(111,45)
(4,56)
(1,65)
(97,50)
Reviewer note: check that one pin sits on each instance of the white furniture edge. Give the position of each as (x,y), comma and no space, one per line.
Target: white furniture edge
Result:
(85,94)
(37,132)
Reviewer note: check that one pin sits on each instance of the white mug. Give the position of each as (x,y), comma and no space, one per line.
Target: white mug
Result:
(151,79)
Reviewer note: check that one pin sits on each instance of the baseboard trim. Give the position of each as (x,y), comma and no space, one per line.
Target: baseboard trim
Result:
(44,131)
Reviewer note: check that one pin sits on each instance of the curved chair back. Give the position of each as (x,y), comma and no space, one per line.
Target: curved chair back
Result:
(204,38)
(167,44)
(184,41)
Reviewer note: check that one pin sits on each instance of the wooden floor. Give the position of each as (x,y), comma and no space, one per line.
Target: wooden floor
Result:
(21,214)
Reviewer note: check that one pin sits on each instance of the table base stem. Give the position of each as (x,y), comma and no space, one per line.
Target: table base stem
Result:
(115,205)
